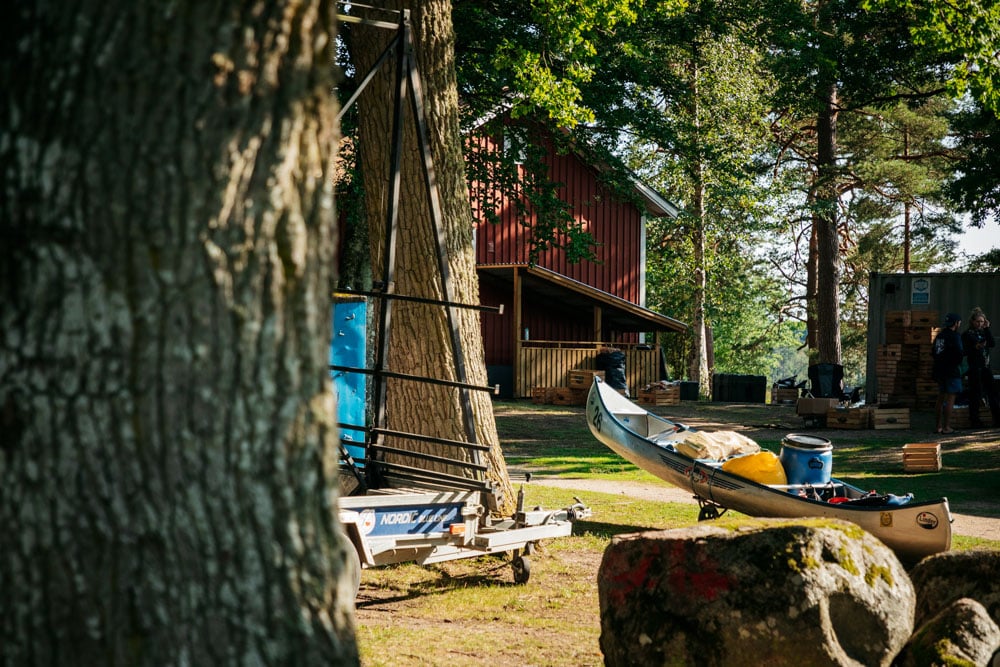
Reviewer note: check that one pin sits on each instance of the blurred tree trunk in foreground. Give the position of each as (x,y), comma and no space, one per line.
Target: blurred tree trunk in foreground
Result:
(168,445)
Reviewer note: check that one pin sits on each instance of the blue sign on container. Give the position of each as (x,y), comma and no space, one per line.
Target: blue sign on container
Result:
(348,348)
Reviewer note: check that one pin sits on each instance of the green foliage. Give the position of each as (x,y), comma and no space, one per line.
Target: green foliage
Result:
(987,262)
(539,52)
(743,300)
(976,190)
(964,31)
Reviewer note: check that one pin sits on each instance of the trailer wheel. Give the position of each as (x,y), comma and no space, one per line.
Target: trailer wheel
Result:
(522,569)
(353,564)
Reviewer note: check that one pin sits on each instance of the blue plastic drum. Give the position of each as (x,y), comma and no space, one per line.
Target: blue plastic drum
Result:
(807,459)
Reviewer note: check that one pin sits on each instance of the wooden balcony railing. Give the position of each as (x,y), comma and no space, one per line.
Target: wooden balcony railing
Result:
(543,363)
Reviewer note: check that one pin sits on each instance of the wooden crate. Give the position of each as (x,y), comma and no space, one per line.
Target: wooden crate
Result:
(668,396)
(849,418)
(915,336)
(960,416)
(889,418)
(895,334)
(929,318)
(569,396)
(898,318)
(889,351)
(927,388)
(542,395)
(583,378)
(782,394)
(922,457)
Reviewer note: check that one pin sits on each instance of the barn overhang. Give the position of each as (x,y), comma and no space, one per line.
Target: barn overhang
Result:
(617,313)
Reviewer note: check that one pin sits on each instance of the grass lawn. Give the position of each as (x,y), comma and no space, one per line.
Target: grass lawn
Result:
(469,612)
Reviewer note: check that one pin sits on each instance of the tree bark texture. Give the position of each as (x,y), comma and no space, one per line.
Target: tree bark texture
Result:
(419,335)
(827,237)
(168,457)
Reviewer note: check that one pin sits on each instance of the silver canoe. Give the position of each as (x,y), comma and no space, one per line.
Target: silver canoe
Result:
(913,530)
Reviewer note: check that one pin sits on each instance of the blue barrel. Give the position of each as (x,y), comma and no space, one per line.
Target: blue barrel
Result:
(349,348)
(807,459)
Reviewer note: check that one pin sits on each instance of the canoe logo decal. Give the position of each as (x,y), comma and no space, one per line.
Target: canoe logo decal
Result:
(885,519)
(699,476)
(927,520)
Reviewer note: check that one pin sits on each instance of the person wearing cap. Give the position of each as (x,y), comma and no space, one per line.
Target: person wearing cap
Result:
(947,352)
(977,342)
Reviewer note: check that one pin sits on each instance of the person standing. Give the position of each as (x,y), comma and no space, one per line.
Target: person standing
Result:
(977,342)
(948,354)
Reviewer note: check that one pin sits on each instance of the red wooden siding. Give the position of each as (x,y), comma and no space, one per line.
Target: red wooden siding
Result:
(615,225)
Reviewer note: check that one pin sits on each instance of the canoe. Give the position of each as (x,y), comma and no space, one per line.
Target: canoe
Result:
(911,529)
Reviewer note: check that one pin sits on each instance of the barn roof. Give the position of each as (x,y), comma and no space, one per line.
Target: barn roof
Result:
(617,313)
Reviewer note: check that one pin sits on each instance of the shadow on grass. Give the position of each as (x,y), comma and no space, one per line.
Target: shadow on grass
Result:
(607,530)
(493,571)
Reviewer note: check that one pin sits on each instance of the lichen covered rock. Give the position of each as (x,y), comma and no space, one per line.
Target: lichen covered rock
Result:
(960,634)
(943,578)
(775,592)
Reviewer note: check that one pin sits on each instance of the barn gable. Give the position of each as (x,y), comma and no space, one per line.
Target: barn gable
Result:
(572,306)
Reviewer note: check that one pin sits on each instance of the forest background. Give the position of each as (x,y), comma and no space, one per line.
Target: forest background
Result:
(807,144)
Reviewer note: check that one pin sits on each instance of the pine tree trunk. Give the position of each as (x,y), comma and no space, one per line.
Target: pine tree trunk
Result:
(699,352)
(827,237)
(169,456)
(419,335)
(812,280)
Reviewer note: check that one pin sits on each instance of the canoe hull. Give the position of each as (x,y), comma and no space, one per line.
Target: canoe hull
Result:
(913,530)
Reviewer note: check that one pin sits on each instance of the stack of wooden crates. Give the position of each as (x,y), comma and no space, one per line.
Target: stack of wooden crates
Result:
(579,382)
(903,364)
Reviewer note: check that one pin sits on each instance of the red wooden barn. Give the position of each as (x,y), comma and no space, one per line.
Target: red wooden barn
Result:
(558,315)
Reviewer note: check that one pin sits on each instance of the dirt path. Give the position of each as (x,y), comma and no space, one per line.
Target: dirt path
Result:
(963,524)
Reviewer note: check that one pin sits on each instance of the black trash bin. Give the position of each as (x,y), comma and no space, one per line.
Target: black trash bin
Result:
(689,391)
(613,365)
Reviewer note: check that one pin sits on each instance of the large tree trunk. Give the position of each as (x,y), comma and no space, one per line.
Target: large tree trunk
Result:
(419,335)
(168,453)
(827,238)
(698,370)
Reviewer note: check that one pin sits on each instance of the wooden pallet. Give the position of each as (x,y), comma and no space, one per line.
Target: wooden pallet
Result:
(922,457)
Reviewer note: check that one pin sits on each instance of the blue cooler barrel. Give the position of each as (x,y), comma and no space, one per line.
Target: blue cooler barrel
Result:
(348,348)
(807,459)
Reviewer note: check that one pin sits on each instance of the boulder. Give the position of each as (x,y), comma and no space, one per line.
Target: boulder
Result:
(943,578)
(961,633)
(774,592)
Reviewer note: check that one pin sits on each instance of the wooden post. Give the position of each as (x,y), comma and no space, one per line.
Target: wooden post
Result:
(518,391)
